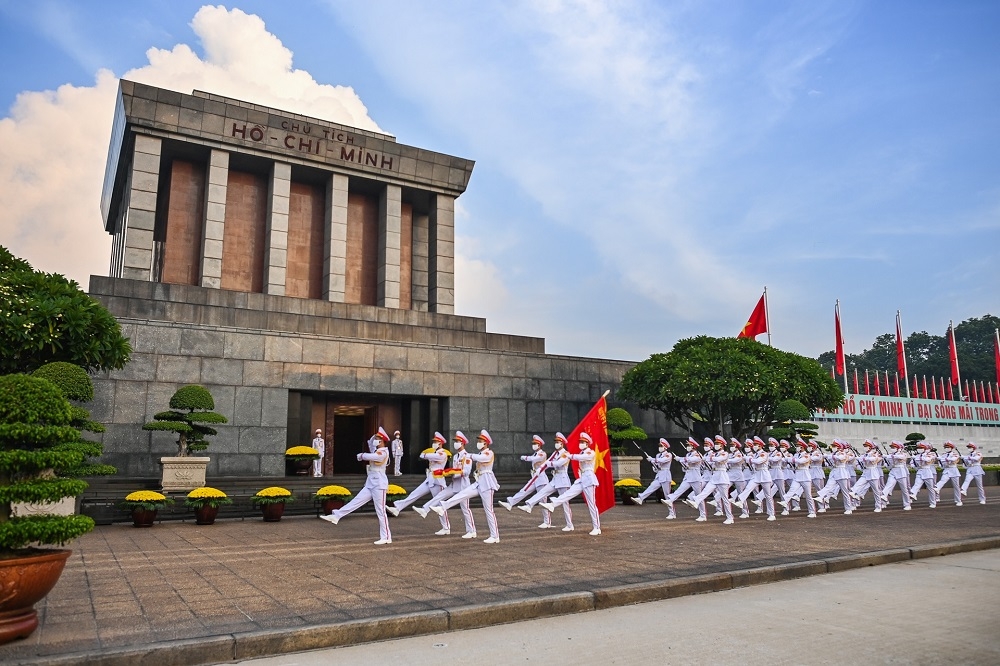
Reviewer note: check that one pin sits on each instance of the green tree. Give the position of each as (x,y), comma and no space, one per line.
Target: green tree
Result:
(190,411)
(791,421)
(45,317)
(735,381)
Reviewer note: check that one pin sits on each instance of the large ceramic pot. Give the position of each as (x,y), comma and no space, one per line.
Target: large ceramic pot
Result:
(329,505)
(302,467)
(206,515)
(143,517)
(24,581)
(272,512)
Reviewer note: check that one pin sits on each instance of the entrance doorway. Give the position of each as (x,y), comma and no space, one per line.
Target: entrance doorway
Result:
(349,439)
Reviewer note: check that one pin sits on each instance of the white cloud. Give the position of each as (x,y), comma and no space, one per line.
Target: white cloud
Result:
(53,144)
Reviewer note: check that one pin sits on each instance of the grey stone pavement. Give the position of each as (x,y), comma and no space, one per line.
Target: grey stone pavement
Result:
(860,616)
(178,593)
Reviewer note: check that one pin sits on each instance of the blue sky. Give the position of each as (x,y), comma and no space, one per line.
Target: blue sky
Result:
(643,169)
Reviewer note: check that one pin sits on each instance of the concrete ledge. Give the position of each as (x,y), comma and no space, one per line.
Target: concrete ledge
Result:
(761,575)
(859,560)
(484,615)
(280,641)
(216,649)
(969,545)
(636,593)
(683,587)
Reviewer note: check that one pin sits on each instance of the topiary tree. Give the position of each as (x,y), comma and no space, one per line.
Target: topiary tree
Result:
(47,317)
(790,418)
(75,384)
(621,429)
(36,438)
(189,424)
(912,440)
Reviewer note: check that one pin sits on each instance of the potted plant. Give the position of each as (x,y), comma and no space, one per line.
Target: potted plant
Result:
(332,497)
(271,501)
(206,502)
(622,433)
(301,458)
(628,488)
(143,504)
(35,421)
(190,413)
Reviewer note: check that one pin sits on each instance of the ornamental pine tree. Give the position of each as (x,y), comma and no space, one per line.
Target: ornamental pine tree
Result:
(190,411)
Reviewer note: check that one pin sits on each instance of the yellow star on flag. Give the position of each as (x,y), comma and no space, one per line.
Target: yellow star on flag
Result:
(599,458)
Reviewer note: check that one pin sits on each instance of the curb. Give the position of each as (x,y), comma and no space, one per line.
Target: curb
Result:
(250,645)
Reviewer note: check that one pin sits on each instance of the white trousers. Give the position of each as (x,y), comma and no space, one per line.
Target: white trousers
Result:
(446,494)
(861,489)
(376,497)
(396,462)
(653,487)
(904,487)
(979,484)
(932,497)
(721,491)
(768,490)
(486,495)
(797,490)
(541,495)
(588,495)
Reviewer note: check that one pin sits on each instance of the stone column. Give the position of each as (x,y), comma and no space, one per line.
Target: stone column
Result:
(335,246)
(140,218)
(389,213)
(276,251)
(215,219)
(418,274)
(441,255)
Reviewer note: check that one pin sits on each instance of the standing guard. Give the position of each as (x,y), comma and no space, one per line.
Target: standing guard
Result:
(397,453)
(320,445)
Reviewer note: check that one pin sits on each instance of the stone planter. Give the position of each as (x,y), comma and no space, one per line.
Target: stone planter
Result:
(302,467)
(67,506)
(626,467)
(272,512)
(25,581)
(183,472)
(143,517)
(206,515)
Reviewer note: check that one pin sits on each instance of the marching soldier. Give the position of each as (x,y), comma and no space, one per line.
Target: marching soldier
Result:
(692,477)
(899,472)
(374,490)
(761,479)
(719,484)
(926,464)
(461,469)
(871,477)
(661,467)
(539,478)
(949,472)
(485,485)
(434,483)
(559,464)
(974,470)
(801,481)
(839,477)
(587,483)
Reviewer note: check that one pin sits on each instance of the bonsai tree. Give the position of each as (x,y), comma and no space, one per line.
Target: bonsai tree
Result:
(75,384)
(912,440)
(190,410)
(37,439)
(621,429)
(790,421)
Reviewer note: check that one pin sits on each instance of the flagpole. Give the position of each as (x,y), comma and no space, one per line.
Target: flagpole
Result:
(840,332)
(899,332)
(767,318)
(996,353)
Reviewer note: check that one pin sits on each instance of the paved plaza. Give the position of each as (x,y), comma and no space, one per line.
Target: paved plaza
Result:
(180,593)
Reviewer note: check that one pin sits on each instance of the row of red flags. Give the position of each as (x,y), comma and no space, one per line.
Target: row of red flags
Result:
(936,388)
(759,323)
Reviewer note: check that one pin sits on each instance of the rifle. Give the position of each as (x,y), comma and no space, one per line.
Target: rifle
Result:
(541,470)
(656,465)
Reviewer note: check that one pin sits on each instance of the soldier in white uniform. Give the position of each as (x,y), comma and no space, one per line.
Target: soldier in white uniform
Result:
(926,463)
(661,470)
(539,477)
(974,470)
(801,481)
(776,464)
(485,485)
(691,463)
(459,473)
(899,472)
(374,489)
(871,477)
(434,483)
(587,484)
(840,477)
(816,461)
(719,484)
(736,465)
(559,464)
(949,472)
(761,479)
(320,445)
(397,453)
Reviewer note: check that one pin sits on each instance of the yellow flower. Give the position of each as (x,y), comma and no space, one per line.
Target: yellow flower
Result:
(393,489)
(302,451)
(334,491)
(274,491)
(206,492)
(145,496)
(628,482)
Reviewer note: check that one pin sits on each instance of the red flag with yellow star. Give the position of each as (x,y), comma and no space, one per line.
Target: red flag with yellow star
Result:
(595,424)
(757,323)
